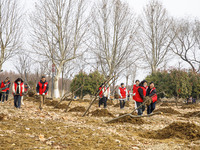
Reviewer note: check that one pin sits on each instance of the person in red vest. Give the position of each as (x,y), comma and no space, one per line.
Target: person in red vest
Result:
(5,86)
(140,95)
(103,95)
(151,92)
(42,90)
(122,95)
(135,88)
(26,87)
(18,92)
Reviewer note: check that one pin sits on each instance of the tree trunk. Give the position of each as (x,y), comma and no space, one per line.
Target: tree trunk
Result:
(56,84)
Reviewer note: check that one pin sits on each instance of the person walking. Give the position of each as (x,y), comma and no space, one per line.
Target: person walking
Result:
(18,92)
(140,95)
(123,94)
(151,92)
(42,90)
(4,90)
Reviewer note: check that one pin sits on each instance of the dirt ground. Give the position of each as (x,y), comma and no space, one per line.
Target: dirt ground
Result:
(52,128)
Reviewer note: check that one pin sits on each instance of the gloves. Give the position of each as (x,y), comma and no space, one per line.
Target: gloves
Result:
(23,93)
(43,93)
(37,93)
(133,94)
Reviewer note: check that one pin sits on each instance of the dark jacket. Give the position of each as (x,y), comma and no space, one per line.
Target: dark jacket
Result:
(152,93)
(140,91)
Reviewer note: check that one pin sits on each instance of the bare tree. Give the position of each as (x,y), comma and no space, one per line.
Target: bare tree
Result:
(59,29)
(23,65)
(10,29)
(185,43)
(154,39)
(113,30)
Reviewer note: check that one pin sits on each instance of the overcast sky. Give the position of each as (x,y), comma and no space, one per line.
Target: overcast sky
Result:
(176,8)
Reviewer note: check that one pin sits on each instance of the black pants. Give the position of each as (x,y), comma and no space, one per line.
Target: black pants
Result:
(122,103)
(103,100)
(2,96)
(140,110)
(7,93)
(151,108)
(17,101)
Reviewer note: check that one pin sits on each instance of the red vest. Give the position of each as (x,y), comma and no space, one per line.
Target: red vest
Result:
(101,92)
(25,88)
(3,85)
(154,97)
(137,96)
(135,88)
(122,92)
(42,90)
(21,88)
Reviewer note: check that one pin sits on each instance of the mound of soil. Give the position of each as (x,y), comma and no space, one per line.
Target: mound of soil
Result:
(78,109)
(190,106)
(2,116)
(129,119)
(167,110)
(179,130)
(165,104)
(118,104)
(83,100)
(31,93)
(110,102)
(192,114)
(33,99)
(102,113)
(54,103)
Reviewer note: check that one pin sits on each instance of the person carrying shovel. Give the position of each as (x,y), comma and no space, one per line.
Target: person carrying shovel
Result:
(18,92)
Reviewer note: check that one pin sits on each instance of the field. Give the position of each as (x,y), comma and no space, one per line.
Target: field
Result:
(29,128)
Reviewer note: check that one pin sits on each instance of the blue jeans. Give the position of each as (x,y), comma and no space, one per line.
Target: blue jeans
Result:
(17,101)
(151,108)
(140,110)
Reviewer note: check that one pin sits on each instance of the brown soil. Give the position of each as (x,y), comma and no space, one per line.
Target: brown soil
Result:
(31,93)
(110,102)
(192,114)
(126,104)
(78,109)
(167,110)
(54,103)
(83,100)
(179,130)
(102,113)
(129,119)
(2,116)
(165,104)
(190,106)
